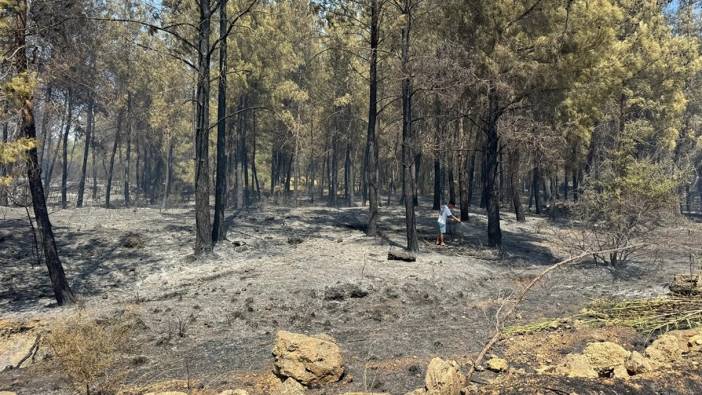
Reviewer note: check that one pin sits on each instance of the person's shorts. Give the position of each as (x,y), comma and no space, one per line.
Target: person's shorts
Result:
(442,227)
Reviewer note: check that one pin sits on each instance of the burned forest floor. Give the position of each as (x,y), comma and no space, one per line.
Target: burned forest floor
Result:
(211,322)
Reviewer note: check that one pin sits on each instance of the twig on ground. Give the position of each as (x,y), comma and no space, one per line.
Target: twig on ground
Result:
(498,321)
(30,353)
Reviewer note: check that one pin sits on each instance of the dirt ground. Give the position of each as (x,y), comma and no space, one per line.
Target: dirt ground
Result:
(311,270)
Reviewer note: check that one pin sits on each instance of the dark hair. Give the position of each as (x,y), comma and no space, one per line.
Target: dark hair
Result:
(452,203)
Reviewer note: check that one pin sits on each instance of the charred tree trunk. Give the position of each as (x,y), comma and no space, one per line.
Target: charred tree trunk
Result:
(86,150)
(437,184)
(138,181)
(128,153)
(62,291)
(471,170)
(333,172)
(146,171)
(451,162)
(371,138)
(288,176)
(438,174)
(323,176)
(408,184)
(515,186)
(274,160)
(203,226)
(463,181)
(45,131)
(110,170)
(575,184)
(451,183)
(93,163)
(371,174)
(416,168)
(156,180)
(169,171)
(218,231)
(64,174)
(253,156)
(535,189)
(490,180)
(239,160)
(565,183)
(348,182)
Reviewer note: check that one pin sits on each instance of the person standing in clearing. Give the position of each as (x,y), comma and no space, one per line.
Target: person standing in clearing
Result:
(444,215)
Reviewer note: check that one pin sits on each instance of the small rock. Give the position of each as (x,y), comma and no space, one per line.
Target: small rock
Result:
(695,342)
(637,364)
(444,377)
(665,349)
(620,372)
(139,360)
(576,365)
(343,291)
(295,240)
(309,360)
(604,356)
(497,364)
(234,392)
(686,284)
(291,387)
(133,240)
(7,393)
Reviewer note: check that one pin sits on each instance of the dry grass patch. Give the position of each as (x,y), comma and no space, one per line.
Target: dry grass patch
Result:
(89,353)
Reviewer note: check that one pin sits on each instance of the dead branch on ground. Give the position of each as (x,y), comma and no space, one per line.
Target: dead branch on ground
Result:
(498,322)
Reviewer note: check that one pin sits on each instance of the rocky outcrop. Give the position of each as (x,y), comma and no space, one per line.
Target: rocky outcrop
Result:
(444,378)
(665,350)
(607,359)
(308,360)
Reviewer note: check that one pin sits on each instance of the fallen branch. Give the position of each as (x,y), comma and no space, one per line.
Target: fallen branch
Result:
(30,353)
(401,255)
(520,298)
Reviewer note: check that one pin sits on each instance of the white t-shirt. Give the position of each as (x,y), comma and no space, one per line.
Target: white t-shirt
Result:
(444,214)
